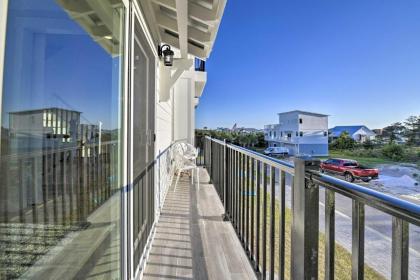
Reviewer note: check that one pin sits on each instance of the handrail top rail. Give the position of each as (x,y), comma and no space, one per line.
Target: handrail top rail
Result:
(385,202)
(280,164)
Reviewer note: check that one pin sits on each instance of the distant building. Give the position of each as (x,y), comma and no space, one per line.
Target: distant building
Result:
(360,133)
(303,133)
(248,130)
(223,129)
(42,129)
(378,131)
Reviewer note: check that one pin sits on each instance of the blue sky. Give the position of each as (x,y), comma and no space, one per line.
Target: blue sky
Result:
(63,66)
(358,61)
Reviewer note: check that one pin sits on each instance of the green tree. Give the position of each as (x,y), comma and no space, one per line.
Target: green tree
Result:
(412,131)
(343,142)
(393,131)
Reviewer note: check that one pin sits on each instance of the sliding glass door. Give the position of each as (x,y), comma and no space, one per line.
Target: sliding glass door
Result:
(143,116)
(61,112)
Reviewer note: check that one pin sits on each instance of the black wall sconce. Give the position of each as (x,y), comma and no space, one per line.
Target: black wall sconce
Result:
(167,53)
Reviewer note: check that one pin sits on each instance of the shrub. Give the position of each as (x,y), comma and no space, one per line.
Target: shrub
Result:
(393,151)
(368,145)
(344,142)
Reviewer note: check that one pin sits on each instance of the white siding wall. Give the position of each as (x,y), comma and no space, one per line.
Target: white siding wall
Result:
(175,118)
(288,123)
(182,110)
(313,128)
(313,123)
(164,123)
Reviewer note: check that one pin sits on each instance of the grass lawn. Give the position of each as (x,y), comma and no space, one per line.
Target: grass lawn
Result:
(342,256)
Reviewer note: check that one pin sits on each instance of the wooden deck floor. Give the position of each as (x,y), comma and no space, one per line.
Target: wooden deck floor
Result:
(192,241)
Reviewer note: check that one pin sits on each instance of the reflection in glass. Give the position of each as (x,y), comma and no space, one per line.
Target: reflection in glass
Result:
(60,140)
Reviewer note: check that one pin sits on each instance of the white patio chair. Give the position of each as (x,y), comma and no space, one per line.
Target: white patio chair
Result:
(185,156)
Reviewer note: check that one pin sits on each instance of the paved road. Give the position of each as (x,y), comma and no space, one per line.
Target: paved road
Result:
(378,232)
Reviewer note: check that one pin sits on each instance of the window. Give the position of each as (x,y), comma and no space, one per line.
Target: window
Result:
(336,162)
(300,120)
(281,134)
(58,189)
(297,134)
(301,134)
(274,134)
(325,133)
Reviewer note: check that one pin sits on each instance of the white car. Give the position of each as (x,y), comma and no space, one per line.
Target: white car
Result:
(276,151)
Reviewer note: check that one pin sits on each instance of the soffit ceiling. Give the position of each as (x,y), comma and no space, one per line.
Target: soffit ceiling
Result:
(201,19)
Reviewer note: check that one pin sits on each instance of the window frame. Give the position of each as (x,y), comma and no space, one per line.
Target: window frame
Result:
(3,28)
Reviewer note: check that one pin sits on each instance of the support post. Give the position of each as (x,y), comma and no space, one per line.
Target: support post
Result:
(305,222)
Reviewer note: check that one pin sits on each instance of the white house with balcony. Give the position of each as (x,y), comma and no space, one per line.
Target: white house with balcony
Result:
(303,133)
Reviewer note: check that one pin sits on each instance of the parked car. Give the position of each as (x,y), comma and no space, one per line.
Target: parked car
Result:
(350,169)
(276,151)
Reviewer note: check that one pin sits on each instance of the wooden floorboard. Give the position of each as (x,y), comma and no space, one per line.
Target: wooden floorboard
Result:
(192,241)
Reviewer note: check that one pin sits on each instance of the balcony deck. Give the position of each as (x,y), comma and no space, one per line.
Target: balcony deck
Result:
(192,241)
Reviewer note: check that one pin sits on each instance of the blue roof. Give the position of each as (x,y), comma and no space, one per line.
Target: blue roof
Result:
(350,129)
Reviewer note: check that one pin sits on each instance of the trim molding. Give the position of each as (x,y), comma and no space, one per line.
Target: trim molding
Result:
(3,29)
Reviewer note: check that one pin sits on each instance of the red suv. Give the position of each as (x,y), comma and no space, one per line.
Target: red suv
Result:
(350,169)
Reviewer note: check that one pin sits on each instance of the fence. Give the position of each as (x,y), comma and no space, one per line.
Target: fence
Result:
(58,186)
(246,183)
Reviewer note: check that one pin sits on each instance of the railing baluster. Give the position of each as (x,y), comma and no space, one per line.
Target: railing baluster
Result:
(264,233)
(71,185)
(247,167)
(252,207)
(329,233)
(45,187)
(243,198)
(231,172)
(400,247)
(282,222)
(63,187)
(237,190)
(34,192)
(235,185)
(240,186)
(272,220)
(257,241)
(20,191)
(54,185)
(358,239)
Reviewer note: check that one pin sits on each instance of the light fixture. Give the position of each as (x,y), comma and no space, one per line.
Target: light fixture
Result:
(167,53)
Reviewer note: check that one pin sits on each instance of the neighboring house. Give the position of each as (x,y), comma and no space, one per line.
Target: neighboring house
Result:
(359,133)
(303,133)
(45,128)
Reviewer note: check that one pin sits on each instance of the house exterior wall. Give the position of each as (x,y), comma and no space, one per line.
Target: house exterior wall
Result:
(301,133)
(363,134)
(164,124)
